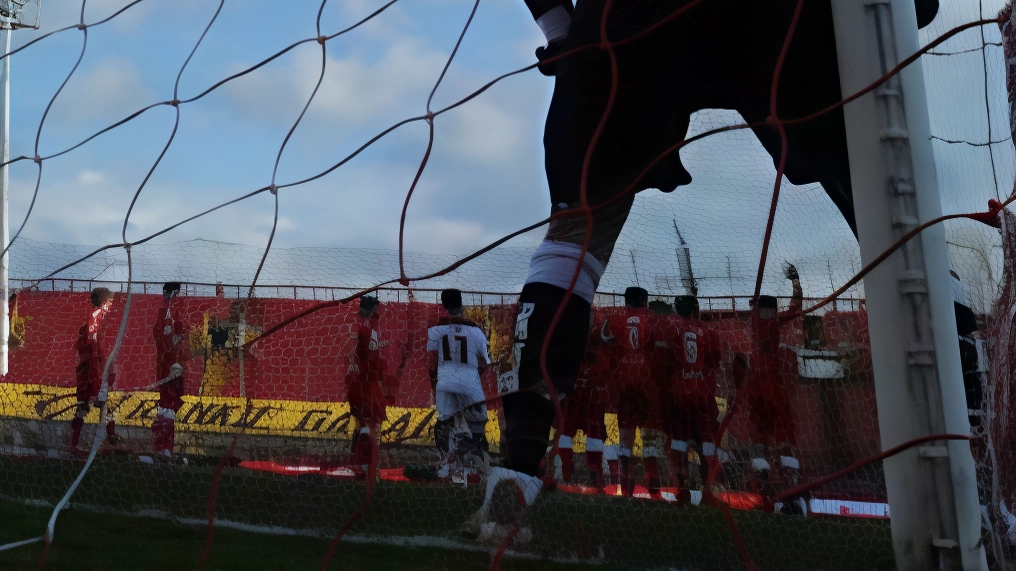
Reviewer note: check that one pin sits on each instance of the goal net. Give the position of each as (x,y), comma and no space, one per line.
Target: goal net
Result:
(222,276)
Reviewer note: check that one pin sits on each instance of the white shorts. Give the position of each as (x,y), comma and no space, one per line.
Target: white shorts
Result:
(471,404)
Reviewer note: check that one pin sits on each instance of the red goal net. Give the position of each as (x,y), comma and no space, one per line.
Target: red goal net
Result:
(726,419)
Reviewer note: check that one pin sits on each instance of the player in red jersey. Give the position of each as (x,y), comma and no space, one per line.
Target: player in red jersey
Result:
(92,356)
(584,410)
(630,334)
(690,358)
(369,387)
(172,351)
(764,380)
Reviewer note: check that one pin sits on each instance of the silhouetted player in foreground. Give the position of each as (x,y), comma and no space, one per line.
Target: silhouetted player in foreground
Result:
(719,54)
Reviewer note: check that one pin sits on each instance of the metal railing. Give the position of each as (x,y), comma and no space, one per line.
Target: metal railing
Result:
(393,294)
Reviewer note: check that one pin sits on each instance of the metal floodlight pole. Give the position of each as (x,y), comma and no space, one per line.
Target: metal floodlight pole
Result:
(935,515)
(5,155)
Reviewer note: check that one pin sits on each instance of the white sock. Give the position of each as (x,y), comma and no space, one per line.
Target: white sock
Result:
(555,23)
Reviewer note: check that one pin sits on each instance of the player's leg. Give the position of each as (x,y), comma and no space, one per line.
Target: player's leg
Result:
(707,425)
(359,446)
(791,468)
(378,413)
(78,422)
(677,450)
(630,140)
(164,426)
(361,413)
(572,407)
(445,404)
(164,432)
(596,433)
(84,393)
(627,423)
(610,451)
(654,443)
(783,439)
(654,437)
(760,429)
(111,438)
(475,415)
(529,412)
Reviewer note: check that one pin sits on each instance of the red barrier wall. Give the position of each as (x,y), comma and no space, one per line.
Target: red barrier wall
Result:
(307,360)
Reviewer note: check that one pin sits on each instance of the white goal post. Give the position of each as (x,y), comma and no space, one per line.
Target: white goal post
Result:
(918,379)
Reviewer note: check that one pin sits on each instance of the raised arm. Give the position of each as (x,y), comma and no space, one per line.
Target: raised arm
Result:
(797,297)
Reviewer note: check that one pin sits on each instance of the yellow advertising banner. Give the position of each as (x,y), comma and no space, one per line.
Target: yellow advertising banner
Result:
(228,415)
(225,415)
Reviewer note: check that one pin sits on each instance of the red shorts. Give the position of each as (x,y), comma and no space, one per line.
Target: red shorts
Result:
(89,379)
(638,405)
(584,410)
(170,393)
(692,413)
(367,401)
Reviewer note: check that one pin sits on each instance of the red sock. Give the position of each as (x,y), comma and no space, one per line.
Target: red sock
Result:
(111,429)
(170,435)
(595,462)
(707,466)
(614,471)
(76,425)
(677,465)
(567,463)
(652,473)
(164,434)
(161,438)
(362,444)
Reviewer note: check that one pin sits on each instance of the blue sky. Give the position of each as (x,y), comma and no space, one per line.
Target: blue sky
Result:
(486,163)
(485,176)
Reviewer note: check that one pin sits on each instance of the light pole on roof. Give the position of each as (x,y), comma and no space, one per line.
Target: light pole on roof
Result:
(14,14)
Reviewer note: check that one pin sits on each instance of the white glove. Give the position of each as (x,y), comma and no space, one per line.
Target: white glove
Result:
(175,371)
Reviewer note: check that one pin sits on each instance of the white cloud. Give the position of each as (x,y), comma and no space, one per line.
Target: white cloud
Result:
(106,90)
(443,235)
(486,132)
(90,178)
(352,91)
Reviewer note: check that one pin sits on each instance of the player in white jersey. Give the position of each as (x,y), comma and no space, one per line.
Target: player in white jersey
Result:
(456,357)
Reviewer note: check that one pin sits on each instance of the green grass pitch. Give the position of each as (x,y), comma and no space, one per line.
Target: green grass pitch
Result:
(410,526)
